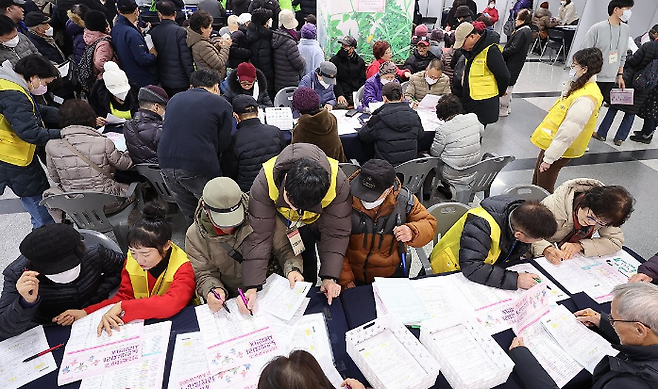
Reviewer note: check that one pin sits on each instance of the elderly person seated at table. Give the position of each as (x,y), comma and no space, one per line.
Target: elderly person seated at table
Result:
(56,271)
(383,53)
(421,57)
(631,327)
(112,94)
(247,80)
(372,91)
(316,125)
(491,237)
(394,128)
(583,207)
(430,81)
(382,206)
(322,81)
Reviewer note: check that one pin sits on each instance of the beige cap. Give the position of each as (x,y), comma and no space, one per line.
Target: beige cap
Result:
(465,29)
(223,200)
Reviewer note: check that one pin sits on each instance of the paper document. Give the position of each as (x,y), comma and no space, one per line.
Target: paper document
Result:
(582,344)
(279,117)
(149,41)
(111,119)
(189,367)
(622,96)
(63,68)
(554,292)
(429,102)
(532,306)
(118,139)
(401,300)
(374,105)
(311,335)
(279,300)
(330,371)
(144,375)
(15,373)
(87,354)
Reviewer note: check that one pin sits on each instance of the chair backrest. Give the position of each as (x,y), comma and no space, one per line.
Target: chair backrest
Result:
(528,192)
(359,95)
(283,97)
(152,173)
(555,34)
(349,168)
(404,86)
(91,238)
(485,172)
(446,215)
(413,173)
(85,208)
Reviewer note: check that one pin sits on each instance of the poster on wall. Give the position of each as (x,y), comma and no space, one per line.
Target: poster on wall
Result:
(368,21)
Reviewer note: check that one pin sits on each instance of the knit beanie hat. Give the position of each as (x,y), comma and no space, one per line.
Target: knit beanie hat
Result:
(153,94)
(246,72)
(115,79)
(260,16)
(436,35)
(287,19)
(244,18)
(386,68)
(421,30)
(51,248)
(305,100)
(309,31)
(95,21)
(463,11)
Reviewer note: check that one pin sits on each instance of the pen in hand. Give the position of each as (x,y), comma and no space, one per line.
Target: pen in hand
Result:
(244,300)
(220,300)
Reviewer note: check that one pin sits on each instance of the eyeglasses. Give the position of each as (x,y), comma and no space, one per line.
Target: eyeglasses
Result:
(613,321)
(592,217)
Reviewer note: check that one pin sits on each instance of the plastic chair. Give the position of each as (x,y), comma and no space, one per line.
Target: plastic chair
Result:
(446,215)
(91,238)
(86,210)
(555,42)
(359,95)
(404,86)
(349,167)
(528,192)
(283,97)
(413,173)
(485,173)
(152,173)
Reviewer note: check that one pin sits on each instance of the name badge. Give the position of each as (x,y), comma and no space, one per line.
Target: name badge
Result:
(296,241)
(612,57)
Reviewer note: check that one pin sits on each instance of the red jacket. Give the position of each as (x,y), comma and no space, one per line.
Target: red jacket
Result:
(173,301)
(373,69)
(493,14)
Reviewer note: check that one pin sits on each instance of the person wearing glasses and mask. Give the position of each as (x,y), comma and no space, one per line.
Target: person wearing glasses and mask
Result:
(247,80)
(583,207)
(631,327)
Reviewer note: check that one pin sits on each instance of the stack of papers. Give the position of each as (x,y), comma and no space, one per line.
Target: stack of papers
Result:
(397,297)
(15,373)
(279,117)
(279,300)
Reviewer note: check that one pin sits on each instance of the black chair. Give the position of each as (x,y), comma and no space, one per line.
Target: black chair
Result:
(556,43)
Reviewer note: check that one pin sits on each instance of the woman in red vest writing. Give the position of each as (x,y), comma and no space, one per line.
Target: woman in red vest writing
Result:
(157,280)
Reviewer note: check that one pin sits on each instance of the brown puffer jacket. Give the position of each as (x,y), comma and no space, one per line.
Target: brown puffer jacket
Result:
(71,173)
(321,130)
(334,221)
(206,53)
(369,255)
(213,267)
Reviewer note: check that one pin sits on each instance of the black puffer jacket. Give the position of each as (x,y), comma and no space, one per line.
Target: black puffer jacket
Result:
(288,63)
(240,6)
(143,135)
(516,51)
(351,73)
(476,242)
(100,98)
(239,51)
(306,7)
(259,42)
(272,5)
(175,65)
(234,89)
(53,53)
(416,63)
(252,144)
(100,273)
(634,65)
(395,129)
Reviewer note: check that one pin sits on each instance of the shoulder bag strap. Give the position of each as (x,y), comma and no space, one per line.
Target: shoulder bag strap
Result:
(86,160)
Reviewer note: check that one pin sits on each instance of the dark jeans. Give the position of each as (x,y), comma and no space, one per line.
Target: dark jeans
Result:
(187,188)
(310,236)
(548,178)
(624,126)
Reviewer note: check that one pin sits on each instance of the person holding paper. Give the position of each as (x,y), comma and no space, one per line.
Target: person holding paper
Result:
(487,239)
(631,327)
(372,90)
(566,130)
(157,280)
(311,195)
(583,207)
(322,81)
(207,53)
(385,217)
(56,272)
(214,243)
(430,81)
(113,95)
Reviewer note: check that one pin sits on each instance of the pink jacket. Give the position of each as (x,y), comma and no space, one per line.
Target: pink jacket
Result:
(104,50)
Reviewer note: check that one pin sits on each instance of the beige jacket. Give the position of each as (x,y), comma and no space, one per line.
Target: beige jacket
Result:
(418,87)
(206,53)
(71,173)
(212,265)
(560,203)
(567,14)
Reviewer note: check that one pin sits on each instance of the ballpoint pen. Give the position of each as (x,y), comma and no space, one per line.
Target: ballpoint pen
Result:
(44,352)
(220,300)
(244,300)
(403,250)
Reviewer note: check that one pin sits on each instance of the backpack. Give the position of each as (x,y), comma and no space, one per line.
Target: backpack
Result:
(85,69)
(647,78)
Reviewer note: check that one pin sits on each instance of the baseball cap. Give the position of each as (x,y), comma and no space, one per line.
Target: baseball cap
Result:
(423,41)
(222,198)
(374,178)
(244,104)
(465,29)
(246,72)
(327,71)
(348,41)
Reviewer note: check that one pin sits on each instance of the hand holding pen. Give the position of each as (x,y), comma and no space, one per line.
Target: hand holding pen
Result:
(588,317)
(217,300)
(247,303)
(28,286)
(351,383)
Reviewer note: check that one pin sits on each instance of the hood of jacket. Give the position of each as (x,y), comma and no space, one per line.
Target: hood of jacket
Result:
(7,73)
(234,84)
(542,12)
(292,153)
(92,36)
(256,32)
(390,115)
(207,230)
(488,37)
(194,37)
(321,123)
(280,37)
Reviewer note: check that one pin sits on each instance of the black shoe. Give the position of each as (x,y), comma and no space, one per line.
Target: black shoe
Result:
(641,139)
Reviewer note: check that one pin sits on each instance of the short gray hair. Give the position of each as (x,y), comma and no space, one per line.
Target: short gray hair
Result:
(435,64)
(638,301)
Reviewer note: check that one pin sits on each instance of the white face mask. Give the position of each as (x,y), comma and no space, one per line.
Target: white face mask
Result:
(66,276)
(374,204)
(563,2)
(626,15)
(573,74)
(49,31)
(13,42)
(385,81)
(269,23)
(492,5)
(121,96)
(324,84)
(430,81)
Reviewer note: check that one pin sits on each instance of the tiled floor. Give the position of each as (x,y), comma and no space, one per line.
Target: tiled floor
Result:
(511,135)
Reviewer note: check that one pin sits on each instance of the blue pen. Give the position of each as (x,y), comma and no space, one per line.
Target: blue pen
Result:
(403,250)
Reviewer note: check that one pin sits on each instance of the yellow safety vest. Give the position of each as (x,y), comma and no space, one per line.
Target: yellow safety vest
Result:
(120,114)
(139,277)
(544,134)
(445,255)
(308,217)
(13,149)
(481,81)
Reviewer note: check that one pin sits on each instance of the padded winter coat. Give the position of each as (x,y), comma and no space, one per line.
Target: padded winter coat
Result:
(24,48)
(327,95)
(457,143)
(321,130)
(239,50)
(272,5)
(143,135)
(259,41)
(636,63)
(75,32)
(175,64)
(206,53)
(417,63)
(288,62)
(100,99)
(418,87)
(516,51)
(103,52)
(234,89)
(240,6)
(135,58)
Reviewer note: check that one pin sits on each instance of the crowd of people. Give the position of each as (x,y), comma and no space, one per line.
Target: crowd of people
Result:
(190,97)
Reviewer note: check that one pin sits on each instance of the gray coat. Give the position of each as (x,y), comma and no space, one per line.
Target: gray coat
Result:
(457,143)
(24,48)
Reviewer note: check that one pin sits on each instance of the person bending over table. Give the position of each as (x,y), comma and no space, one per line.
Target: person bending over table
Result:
(157,280)
(381,206)
(55,272)
(647,272)
(489,238)
(311,195)
(214,243)
(631,327)
(583,207)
